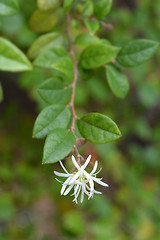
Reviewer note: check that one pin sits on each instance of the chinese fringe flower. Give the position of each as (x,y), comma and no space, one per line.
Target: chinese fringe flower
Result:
(80,180)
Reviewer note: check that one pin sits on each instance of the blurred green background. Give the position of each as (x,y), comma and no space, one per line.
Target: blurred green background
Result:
(30,203)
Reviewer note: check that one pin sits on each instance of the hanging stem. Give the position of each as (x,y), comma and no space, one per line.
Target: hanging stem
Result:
(75,78)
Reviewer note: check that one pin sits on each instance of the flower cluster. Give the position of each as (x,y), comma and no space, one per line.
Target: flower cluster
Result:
(80,180)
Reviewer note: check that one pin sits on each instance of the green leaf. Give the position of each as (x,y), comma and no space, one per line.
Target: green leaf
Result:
(1,93)
(58,145)
(137,52)
(54,91)
(11,58)
(88,9)
(98,128)
(67,3)
(102,8)
(117,81)
(85,39)
(45,5)
(43,21)
(92,26)
(97,55)
(51,117)
(56,58)
(8,7)
(42,43)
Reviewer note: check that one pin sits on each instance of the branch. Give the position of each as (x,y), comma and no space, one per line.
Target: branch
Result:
(75,78)
(75,72)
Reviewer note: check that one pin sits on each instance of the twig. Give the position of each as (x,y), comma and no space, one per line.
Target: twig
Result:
(75,71)
(75,78)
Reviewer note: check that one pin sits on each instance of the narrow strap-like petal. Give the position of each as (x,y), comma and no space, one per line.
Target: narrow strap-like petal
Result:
(97,192)
(97,172)
(61,174)
(75,163)
(63,189)
(58,180)
(77,194)
(100,182)
(94,168)
(74,177)
(63,167)
(68,189)
(87,161)
(65,185)
(76,187)
(82,193)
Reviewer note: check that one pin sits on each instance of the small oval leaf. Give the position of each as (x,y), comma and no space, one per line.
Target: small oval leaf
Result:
(85,39)
(117,81)
(8,7)
(43,21)
(92,26)
(102,8)
(58,145)
(42,43)
(56,58)
(45,5)
(98,128)
(137,52)
(11,58)
(97,55)
(51,117)
(54,91)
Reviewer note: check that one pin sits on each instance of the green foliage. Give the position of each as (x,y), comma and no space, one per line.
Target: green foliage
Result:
(98,128)
(54,116)
(11,58)
(43,21)
(88,9)
(102,8)
(128,210)
(8,7)
(137,52)
(41,43)
(56,58)
(85,39)
(45,5)
(58,145)
(117,81)
(67,3)
(96,55)
(53,91)
(92,26)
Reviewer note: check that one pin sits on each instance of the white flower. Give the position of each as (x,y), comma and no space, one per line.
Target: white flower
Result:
(80,180)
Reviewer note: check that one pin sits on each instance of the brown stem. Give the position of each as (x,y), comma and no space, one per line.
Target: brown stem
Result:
(75,71)
(75,78)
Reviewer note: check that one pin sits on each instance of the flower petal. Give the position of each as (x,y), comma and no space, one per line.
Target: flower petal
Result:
(68,189)
(63,167)
(82,193)
(77,194)
(58,180)
(74,177)
(87,161)
(100,182)
(75,163)
(61,174)
(94,168)
(97,172)
(63,188)
(65,185)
